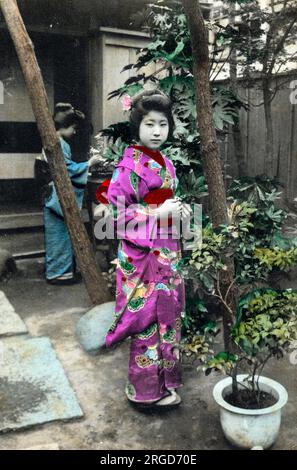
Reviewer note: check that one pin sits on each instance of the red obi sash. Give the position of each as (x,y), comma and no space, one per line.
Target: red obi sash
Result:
(101,191)
(156,196)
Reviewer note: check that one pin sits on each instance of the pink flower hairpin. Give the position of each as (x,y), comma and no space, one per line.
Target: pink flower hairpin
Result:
(127,103)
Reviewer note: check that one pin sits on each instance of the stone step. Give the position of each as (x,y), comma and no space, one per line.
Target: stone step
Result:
(22,241)
(29,243)
(18,221)
(23,220)
(29,254)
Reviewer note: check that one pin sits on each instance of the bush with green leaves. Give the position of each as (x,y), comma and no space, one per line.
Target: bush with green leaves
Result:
(276,257)
(206,260)
(262,193)
(256,253)
(266,320)
(253,236)
(265,327)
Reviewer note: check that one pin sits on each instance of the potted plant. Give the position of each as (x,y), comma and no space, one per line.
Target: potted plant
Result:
(265,321)
(251,404)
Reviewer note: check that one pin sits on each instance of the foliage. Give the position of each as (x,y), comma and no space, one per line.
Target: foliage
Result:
(260,192)
(265,320)
(119,130)
(265,328)
(264,230)
(113,153)
(195,316)
(170,52)
(276,258)
(252,236)
(257,44)
(261,38)
(205,260)
(198,347)
(223,362)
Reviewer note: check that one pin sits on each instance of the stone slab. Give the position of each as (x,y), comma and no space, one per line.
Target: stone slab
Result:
(53,446)
(10,321)
(33,386)
(93,326)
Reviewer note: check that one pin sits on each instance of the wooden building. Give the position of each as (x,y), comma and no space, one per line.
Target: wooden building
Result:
(81,47)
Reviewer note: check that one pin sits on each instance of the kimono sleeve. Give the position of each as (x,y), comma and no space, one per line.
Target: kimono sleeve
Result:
(77,171)
(135,222)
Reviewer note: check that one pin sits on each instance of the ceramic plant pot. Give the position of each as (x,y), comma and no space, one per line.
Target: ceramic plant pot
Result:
(247,428)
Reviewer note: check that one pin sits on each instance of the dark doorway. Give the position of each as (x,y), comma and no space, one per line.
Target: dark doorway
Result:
(71,85)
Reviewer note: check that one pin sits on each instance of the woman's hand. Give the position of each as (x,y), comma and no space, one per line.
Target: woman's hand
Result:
(94,160)
(169,207)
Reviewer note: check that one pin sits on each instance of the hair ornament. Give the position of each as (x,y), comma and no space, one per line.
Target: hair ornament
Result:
(127,103)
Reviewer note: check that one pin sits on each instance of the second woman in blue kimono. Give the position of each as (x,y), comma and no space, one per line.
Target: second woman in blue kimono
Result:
(59,256)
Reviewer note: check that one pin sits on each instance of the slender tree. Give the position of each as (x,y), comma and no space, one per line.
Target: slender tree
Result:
(210,153)
(264,42)
(94,281)
(282,27)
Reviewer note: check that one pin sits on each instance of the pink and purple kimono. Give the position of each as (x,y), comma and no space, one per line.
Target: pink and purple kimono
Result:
(150,294)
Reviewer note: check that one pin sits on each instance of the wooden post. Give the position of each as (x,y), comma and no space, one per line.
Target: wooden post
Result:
(94,281)
(210,150)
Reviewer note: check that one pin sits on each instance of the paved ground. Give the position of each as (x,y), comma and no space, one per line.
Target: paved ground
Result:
(109,420)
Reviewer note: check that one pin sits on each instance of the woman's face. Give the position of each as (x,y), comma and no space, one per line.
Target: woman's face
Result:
(68,132)
(153,130)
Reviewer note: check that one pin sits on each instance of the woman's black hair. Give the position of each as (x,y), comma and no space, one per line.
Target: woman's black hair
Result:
(65,116)
(146,101)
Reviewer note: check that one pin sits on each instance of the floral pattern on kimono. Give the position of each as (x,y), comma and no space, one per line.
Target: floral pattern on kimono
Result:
(149,289)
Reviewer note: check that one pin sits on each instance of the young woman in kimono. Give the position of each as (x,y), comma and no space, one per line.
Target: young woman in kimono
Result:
(150,293)
(59,256)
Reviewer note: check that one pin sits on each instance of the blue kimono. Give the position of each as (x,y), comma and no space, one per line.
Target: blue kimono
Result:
(59,257)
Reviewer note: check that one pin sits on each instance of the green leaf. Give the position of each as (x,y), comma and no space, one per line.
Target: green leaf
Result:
(154,45)
(180,46)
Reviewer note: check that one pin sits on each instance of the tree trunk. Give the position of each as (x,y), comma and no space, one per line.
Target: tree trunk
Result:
(210,151)
(236,132)
(269,139)
(94,281)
